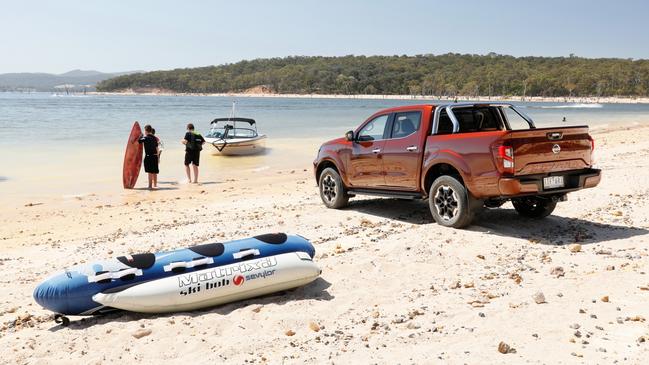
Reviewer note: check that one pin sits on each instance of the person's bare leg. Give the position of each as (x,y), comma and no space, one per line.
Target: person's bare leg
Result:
(195,174)
(155,180)
(150,180)
(189,176)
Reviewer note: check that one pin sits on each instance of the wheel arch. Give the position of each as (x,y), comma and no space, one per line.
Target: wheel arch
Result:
(323,165)
(440,169)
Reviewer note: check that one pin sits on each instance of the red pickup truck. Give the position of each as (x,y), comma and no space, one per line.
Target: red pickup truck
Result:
(461,157)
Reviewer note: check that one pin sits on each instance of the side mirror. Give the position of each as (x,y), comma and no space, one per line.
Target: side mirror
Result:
(349,136)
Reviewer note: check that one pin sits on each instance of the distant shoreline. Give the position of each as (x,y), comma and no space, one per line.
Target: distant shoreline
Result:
(534,99)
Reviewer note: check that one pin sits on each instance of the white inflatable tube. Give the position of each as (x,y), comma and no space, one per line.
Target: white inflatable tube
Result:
(214,286)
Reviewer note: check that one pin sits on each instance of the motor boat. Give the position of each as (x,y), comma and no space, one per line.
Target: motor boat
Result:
(230,138)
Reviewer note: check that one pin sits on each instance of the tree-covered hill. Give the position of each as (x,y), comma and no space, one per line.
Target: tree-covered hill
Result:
(449,74)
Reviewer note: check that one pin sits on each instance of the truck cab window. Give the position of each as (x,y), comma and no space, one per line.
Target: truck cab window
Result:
(479,119)
(405,124)
(374,129)
(515,121)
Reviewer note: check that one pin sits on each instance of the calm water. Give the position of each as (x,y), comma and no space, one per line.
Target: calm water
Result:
(65,145)
(45,119)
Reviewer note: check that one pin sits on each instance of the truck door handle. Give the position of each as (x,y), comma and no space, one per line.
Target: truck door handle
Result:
(411,148)
(376,150)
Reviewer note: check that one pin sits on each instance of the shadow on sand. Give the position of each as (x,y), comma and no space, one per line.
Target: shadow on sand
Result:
(315,290)
(553,230)
(159,188)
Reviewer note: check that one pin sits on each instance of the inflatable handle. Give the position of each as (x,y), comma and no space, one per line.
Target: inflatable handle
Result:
(242,254)
(187,265)
(114,275)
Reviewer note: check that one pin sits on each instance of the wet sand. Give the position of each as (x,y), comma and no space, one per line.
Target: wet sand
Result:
(395,287)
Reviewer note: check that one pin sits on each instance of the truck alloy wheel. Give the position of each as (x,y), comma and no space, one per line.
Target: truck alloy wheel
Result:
(332,190)
(450,203)
(446,202)
(329,189)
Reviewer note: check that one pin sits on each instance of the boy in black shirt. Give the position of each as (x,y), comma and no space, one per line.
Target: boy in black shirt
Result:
(150,143)
(193,142)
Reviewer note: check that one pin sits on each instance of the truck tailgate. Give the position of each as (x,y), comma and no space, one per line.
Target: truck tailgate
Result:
(544,150)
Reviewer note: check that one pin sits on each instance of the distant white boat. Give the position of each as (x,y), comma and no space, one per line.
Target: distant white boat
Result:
(231,139)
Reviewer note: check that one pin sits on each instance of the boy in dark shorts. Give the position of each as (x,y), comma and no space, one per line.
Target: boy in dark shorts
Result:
(193,142)
(150,143)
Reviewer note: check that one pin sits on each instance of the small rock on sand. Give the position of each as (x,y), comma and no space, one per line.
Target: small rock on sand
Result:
(557,271)
(575,247)
(290,333)
(314,326)
(605,299)
(539,298)
(504,348)
(142,332)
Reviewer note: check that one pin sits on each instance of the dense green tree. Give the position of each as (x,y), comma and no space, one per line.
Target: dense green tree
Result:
(442,75)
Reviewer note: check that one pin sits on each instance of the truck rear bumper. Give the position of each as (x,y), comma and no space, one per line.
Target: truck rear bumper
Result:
(533,184)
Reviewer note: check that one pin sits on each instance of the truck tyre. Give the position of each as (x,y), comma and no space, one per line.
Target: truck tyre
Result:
(332,190)
(450,203)
(534,206)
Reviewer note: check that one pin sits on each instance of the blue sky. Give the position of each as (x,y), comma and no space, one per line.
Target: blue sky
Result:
(117,35)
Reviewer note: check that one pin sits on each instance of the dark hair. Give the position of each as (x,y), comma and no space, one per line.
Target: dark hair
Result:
(148,128)
(190,126)
(152,130)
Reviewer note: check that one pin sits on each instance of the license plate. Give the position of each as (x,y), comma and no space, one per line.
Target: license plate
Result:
(552,182)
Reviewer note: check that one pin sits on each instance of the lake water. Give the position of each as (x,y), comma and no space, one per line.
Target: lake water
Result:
(74,144)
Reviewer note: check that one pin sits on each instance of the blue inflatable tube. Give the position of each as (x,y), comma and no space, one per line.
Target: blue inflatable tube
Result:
(71,292)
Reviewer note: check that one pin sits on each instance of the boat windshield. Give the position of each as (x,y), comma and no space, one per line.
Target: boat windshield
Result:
(220,132)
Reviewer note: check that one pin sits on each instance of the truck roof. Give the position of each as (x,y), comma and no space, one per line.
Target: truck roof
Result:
(442,105)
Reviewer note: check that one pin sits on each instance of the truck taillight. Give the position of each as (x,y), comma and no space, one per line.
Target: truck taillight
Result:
(505,159)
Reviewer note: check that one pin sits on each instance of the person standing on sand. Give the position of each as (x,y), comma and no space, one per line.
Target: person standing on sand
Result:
(150,143)
(193,142)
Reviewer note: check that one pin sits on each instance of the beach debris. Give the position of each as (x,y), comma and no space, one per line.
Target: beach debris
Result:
(290,333)
(539,298)
(574,248)
(455,285)
(604,299)
(504,348)
(314,326)
(481,257)
(413,326)
(617,213)
(257,309)
(610,268)
(516,277)
(635,319)
(557,271)
(339,249)
(142,332)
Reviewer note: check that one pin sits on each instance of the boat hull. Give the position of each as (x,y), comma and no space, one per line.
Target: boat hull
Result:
(239,147)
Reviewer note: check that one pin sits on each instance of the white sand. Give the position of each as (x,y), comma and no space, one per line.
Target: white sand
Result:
(395,287)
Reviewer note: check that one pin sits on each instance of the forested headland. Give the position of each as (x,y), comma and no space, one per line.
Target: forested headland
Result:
(438,75)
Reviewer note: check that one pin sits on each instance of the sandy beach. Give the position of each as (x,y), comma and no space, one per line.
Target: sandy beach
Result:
(395,287)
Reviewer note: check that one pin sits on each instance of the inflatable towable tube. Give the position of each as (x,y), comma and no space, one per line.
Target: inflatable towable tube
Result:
(185,279)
